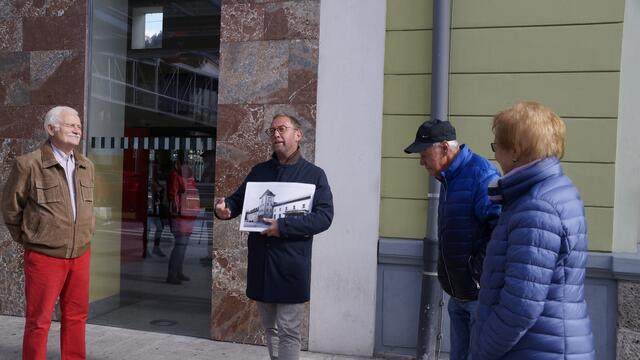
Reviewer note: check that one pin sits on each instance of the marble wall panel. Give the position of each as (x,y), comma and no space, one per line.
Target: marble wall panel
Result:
(52,71)
(303,71)
(42,64)
(5,9)
(292,20)
(268,65)
(253,72)
(227,2)
(33,8)
(9,149)
(629,305)
(242,22)
(628,346)
(24,122)
(14,78)
(53,33)
(10,34)
(11,275)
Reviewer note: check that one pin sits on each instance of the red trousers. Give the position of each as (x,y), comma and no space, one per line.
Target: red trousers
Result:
(46,278)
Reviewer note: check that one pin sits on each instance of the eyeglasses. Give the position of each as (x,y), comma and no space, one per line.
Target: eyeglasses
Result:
(493,147)
(280,129)
(72,126)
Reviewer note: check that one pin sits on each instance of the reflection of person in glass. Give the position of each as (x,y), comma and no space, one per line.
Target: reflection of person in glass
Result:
(279,259)
(206,181)
(47,205)
(184,205)
(158,210)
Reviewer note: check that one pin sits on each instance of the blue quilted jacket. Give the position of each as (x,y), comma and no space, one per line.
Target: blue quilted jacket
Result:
(466,218)
(531,301)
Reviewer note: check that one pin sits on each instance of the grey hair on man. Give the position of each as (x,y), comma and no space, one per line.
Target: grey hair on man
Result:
(53,116)
(453,144)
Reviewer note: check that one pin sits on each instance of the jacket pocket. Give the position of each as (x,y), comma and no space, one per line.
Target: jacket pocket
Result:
(47,192)
(86,188)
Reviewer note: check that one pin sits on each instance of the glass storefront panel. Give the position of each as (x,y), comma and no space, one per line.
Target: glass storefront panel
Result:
(151,134)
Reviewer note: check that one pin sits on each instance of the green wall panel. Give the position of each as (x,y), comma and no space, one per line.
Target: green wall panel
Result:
(573,48)
(409,14)
(600,228)
(587,140)
(407,52)
(531,49)
(565,54)
(594,181)
(403,218)
(398,131)
(474,13)
(569,94)
(418,14)
(407,94)
(475,132)
(592,140)
(404,179)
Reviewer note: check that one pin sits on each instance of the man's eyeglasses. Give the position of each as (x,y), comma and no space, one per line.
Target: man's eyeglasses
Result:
(493,147)
(72,126)
(280,129)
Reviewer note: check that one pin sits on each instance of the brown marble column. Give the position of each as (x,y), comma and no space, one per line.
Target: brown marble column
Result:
(268,65)
(42,64)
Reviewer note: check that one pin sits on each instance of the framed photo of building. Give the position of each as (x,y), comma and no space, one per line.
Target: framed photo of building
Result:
(274,200)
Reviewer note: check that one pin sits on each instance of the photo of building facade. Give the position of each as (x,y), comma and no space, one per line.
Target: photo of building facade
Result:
(198,81)
(271,209)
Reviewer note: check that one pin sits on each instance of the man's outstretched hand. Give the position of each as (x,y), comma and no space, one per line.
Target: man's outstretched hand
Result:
(222,211)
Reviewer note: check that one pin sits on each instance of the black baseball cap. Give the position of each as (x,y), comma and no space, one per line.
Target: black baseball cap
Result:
(430,132)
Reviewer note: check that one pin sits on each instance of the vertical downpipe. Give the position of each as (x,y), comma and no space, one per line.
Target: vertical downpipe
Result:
(431,303)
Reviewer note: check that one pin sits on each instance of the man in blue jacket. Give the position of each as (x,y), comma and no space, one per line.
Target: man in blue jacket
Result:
(279,259)
(466,218)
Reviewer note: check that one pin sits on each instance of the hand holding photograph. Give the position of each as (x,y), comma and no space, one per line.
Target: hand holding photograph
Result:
(274,200)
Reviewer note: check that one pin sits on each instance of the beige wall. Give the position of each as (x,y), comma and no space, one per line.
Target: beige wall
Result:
(626,227)
(563,54)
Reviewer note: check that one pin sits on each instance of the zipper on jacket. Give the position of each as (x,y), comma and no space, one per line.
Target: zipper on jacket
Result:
(75,218)
(444,263)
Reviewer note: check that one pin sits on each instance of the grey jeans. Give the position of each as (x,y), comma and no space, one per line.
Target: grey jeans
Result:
(282,323)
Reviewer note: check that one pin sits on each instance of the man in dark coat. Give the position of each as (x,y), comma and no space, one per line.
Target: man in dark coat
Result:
(279,259)
(465,220)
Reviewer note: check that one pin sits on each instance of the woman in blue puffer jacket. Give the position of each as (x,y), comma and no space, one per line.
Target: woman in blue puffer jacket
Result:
(531,302)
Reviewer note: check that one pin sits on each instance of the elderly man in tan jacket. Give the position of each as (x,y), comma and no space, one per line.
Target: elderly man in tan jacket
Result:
(47,205)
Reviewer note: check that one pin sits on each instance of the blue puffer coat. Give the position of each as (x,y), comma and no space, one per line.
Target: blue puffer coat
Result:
(531,302)
(466,218)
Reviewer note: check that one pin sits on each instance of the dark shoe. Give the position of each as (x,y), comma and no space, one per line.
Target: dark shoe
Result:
(174,280)
(158,251)
(183,277)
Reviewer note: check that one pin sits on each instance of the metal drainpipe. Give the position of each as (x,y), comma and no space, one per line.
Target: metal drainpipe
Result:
(431,303)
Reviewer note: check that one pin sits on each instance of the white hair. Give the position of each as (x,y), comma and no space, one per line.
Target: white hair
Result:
(53,116)
(453,144)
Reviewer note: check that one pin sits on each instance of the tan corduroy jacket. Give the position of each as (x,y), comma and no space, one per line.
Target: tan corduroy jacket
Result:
(36,204)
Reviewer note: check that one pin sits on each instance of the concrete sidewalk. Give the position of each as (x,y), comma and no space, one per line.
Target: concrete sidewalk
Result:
(109,343)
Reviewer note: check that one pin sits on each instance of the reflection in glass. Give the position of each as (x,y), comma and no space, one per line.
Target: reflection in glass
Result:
(151,134)
(152,30)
